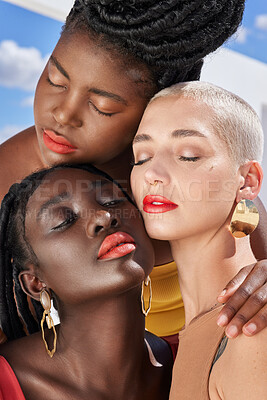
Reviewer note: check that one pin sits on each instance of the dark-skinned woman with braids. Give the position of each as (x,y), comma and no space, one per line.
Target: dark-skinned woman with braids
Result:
(89,252)
(111,58)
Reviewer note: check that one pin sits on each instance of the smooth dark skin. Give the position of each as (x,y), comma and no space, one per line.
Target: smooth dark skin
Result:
(72,106)
(100,349)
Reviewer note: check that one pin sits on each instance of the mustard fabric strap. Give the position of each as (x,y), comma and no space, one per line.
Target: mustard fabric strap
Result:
(166,316)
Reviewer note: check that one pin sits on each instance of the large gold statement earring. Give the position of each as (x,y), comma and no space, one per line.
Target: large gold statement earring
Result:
(46,303)
(146,283)
(245,219)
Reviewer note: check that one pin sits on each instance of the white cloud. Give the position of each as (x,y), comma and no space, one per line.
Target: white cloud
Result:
(241,35)
(261,22)
(20,67)
(9,130)
(27,101)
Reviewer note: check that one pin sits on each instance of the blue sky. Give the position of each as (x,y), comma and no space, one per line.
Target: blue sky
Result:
(27,39)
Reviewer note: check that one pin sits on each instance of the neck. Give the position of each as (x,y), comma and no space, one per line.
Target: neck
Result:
(104,341)
(203,273)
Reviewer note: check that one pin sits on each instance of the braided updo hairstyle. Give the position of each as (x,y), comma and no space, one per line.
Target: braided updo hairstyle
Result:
(171,37)
(16,253)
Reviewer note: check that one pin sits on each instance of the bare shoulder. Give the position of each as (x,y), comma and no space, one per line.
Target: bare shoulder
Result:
(31,365)
(18,354)
(19,157)
(241,371)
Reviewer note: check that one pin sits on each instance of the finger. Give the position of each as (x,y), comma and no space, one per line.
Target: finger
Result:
(234,304)
(254,307)
(235,283)
(257,323)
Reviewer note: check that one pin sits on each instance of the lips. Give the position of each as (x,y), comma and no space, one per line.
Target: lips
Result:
(57,143)
(116,245)
(157,204)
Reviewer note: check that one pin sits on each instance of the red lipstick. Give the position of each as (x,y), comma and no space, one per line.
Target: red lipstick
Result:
(157,204)
(116,245)
(57,143)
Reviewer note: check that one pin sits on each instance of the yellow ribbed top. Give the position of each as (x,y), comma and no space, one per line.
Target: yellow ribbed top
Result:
(166,316)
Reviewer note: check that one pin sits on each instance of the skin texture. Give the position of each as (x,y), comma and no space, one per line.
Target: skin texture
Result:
(73,109)
(105,356)
(196,173)
(67,103)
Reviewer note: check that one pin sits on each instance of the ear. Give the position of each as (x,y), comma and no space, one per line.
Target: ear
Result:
(251,175)
(30,283)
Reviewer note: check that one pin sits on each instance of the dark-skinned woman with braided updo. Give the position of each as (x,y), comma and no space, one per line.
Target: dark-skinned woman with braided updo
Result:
(111,58)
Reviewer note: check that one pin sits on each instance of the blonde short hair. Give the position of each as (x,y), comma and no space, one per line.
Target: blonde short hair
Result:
(235,121)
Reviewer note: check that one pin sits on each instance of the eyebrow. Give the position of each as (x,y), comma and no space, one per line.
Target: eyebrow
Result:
(109,95)
(54,200)
(100,182)
(66,196)
(59,66)
(178,133)
(99,92)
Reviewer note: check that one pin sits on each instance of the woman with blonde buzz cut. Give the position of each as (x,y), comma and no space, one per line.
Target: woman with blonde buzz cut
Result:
(197,156)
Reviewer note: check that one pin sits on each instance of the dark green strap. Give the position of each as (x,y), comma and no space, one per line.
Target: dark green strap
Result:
(220,350)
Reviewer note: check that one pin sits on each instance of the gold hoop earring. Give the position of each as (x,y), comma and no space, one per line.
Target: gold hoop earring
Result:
(245,219)
(45,300)
(146,283)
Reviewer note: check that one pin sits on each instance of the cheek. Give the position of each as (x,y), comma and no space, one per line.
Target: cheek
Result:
(41,99)
(215,183)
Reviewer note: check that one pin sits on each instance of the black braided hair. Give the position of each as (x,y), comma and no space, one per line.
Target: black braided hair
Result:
(171,37)
(16,252)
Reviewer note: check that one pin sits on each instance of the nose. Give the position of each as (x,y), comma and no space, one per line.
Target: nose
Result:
(102,220)
(157,173)
(68,112)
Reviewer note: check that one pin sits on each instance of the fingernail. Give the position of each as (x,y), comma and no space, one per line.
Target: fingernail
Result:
(250,328)
(223,293)
(222,320)
(231,332)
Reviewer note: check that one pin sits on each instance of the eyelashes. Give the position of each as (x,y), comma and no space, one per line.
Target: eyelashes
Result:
(54,84)
(181,158)
(68,221)
(140,162)
(193,159)
(111,203)
(101,112)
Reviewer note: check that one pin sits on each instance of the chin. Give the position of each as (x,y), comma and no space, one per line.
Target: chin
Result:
(158,231)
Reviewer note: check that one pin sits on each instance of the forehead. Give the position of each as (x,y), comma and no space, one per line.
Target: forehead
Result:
(176,112)
(98,64)
(73,182)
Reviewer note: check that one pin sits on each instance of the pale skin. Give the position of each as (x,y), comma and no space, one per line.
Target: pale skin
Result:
(97,105)
(177,161)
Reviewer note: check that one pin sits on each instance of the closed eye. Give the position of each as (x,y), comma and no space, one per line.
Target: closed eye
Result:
(193,159)
(141,162)
(112,203)
(54,84)
(105,114)
(69,220)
